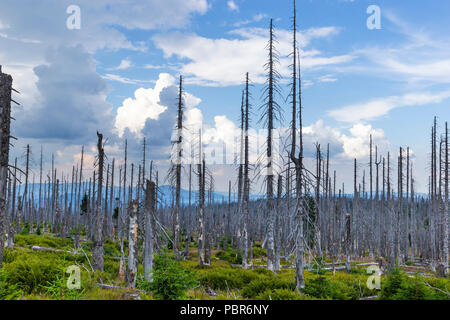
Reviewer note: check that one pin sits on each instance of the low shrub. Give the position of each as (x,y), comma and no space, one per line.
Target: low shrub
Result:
(8,291)
(330,287)
(392,284)
(230,256)
(170,279)
(280,294)
(29,240)
(57,290)
(258,252)
(222,278)
(399,286)
(261,285)
(29,273)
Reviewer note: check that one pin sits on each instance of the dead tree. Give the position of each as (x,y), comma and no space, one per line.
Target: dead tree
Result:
(179,149)
(97,248)
(201,203)
(150,202)
(444,265)
(246,179)
(5,124)
(133,245)
(240,199)
(348,241)
(270,115)
(78,209)
(297,161)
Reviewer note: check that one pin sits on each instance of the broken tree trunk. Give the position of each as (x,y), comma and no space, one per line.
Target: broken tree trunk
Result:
(5,122)
(133,246)
(150,201)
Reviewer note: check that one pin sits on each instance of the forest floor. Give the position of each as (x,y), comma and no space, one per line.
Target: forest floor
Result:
(33,272)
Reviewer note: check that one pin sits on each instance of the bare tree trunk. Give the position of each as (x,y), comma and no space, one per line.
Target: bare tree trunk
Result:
(133,245)
(271,105)
(444,268)
(112,200)
(176,218)
(398,234)
(10,222)
(5,122)
(317,235)
(246,179)
(433,214)
(122,218)
(77,210)
(201,223)
(298,161)
(413,218)
(150,200)
(97,248)
(348,242)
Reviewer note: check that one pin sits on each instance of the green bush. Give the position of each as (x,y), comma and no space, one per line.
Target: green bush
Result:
(26,229)
(399,286)
(143,284)
(323,287)
(413,289)
(9,255)
(57,290)
(111,267)
(263,271)
(29,272)
(261,285)
(170,280)
(111,249)
(8,291)
(441,285)
(392,285)
(230,256)
(280,294)
(258,252)
(221,278)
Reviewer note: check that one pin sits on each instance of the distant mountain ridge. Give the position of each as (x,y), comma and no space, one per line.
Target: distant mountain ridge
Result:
(167,193)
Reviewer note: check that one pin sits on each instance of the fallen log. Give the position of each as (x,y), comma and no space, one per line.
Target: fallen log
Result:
(38,248)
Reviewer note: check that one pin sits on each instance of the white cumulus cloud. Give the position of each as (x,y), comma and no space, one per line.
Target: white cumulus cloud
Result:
(379,107)
(146,105)
(221,61)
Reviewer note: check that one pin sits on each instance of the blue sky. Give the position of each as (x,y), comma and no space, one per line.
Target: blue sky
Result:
(118,72)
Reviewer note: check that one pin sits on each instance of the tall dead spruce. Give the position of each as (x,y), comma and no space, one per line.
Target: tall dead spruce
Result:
(271,109)
(246,180)
(175,173)
(98,243)
(297,160)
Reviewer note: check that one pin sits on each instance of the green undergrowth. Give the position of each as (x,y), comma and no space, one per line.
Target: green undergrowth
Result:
(400,286)
(41,275)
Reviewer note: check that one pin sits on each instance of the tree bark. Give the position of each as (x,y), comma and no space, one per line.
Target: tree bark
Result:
(98,239)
